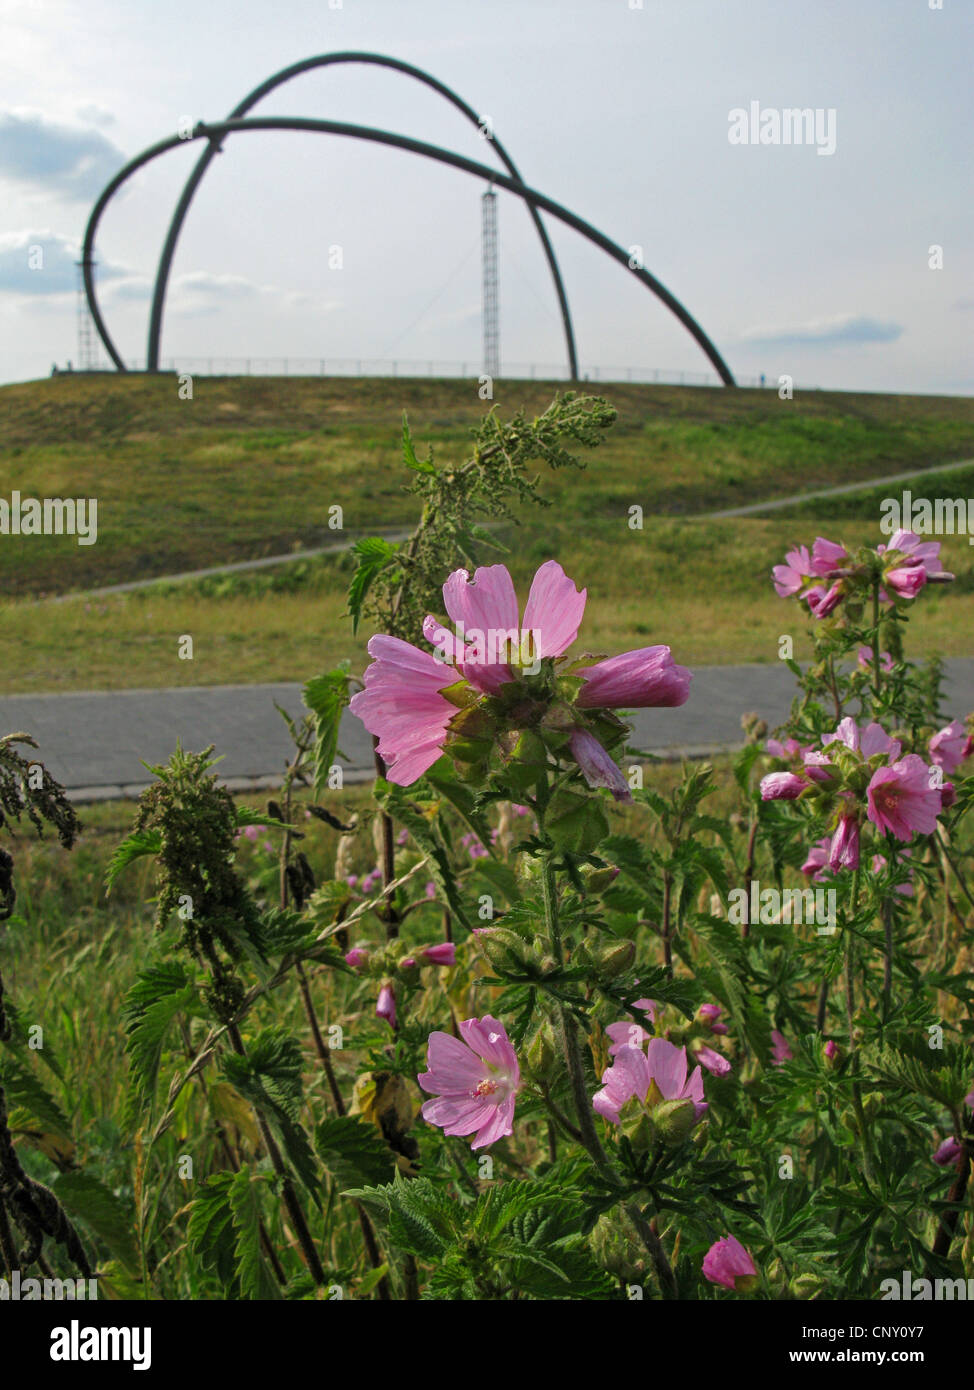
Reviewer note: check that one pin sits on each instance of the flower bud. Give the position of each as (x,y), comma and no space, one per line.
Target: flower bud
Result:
(386,1004)
(675,1120)
(606,959)
(807,1286)
(443,953)
(542,1054)
(597,880)
(508,952)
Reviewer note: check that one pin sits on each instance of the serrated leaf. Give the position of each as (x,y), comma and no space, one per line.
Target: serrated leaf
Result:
(151,1005)
(372,554)
(26,1092)
(409,453)
(354,1151)
(135,846)
(86,1198)
(326,696)
(210,1227)
(256,1281)
(269,1076)
(394,801)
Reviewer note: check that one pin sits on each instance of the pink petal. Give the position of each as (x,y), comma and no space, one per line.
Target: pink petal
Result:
(554,610)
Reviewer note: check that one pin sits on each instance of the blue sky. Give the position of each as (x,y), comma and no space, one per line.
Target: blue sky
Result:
(794,262)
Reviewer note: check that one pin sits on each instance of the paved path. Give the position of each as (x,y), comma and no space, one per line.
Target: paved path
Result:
(271,561)
(93,743)
(778,504)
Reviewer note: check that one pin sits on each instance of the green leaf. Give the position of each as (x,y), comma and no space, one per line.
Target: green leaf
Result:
(27,1092)
(326,696)
(409,453)
(577,824)
(461,797)
(398,805)
(283,931)
(354,1152)
(210,1228)
(134,846)
(20,1037)
(158,995)
(372,554)
(256,1280)
(88,1199)
(269,1076)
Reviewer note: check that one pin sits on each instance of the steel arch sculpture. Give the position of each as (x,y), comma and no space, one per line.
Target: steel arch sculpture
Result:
(270,85)
(214,132)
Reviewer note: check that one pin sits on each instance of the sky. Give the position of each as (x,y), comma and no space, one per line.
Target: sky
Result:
(842,258)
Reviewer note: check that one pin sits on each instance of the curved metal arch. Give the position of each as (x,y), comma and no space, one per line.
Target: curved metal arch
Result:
(270,85)
(215,130)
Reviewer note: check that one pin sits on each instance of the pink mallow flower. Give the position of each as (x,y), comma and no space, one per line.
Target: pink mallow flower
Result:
(403,704)
(782,786)
(641,679)
(386,1005)
(918,551)
(780,1051)
(662,1069)
(827,557)
(709,1014)
(728,1263)
(901,798)
(831,1050)
(787,748)
(821,601)
(789,577)
(865,659)
(844,846)
(816,861)
(474,1080)
(951,746)
(868,740)
(707,1057)
(948,1152)
(445,953)
(879,864)
(629,1033)
(356,957)
(906,580)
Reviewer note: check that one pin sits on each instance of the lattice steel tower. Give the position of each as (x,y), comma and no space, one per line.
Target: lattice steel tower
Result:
(87,346)
(492,338)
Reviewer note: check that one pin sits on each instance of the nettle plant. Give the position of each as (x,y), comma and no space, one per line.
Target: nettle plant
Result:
(531,1053)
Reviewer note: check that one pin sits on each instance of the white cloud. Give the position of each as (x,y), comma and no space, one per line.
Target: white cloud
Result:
(831,332)
(69,160)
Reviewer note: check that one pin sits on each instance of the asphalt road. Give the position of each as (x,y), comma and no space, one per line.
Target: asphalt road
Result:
(94,744)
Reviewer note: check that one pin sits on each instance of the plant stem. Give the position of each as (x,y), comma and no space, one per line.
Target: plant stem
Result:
(667,941)
(388,854)
(887,913)
(850,1005)
(877,668)
(654,1245)
(287,1186)
(569,1033)
(823,999)
(948,1222)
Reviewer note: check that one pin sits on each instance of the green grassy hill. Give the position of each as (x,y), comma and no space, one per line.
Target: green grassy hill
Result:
(251,466)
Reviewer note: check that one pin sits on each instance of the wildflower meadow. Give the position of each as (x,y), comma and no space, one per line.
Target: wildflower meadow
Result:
(529,1015)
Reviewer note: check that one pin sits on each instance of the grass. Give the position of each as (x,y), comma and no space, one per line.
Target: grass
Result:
(702,587)
(251,466)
